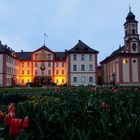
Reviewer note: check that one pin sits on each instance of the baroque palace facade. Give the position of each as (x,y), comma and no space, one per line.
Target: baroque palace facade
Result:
(123,65)
(77,66)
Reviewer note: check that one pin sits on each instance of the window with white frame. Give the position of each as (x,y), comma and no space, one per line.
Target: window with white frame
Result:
(82,57)
(90,79)
(90,67)
(82,67)
(74,79)
(74,67)
(74,57)
(82,79)
(90,57)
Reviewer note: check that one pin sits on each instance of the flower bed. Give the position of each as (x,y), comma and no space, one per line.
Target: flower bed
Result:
(80,114)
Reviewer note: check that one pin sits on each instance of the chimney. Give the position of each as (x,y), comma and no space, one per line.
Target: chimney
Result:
(21,51)
(66,50)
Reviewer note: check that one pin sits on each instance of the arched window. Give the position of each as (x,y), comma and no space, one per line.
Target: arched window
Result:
(134,47)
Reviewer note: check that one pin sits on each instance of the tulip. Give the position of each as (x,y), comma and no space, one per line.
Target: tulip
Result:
(15,127)
(7,120)
(25,122)
(11,108)
(104,105)
(1,115)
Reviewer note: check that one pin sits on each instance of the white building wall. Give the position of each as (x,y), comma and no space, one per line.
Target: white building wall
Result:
(135,70)
(117,70)
(86,73)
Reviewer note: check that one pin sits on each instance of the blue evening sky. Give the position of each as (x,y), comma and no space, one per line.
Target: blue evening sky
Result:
(98,23)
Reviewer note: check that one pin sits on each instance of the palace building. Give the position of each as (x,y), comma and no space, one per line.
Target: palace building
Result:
(123,65)
(77,66)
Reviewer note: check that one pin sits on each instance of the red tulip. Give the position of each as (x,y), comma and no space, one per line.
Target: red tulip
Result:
(104,105)
(11,108)
(15,127)
(25,122)
(1,115)
(7,120)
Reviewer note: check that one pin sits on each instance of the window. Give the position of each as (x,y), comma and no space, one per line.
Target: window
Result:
(134,46)
(22,71)
(36,72)
(82,57)
(82,79)
(90,57)
(49,56)
(57,71)
(133,31)
(62,80)
(49,72)
(57,80)
(134,61)
(74,79)
(28,72)
(36,65)
(28,64)
(57,64)
(62,71)
(74,67)
(125,61)
(62,64)
(22,81)
(74,57)
(90,79)
(49,64)
(90,68)
(82,67)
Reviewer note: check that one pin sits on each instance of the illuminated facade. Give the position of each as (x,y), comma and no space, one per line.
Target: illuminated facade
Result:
(77,66)
(123,65)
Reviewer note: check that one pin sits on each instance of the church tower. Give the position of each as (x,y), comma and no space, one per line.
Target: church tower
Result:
(131,39)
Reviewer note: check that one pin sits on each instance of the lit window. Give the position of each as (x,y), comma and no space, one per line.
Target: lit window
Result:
(22,71)
(62,71)
(57,71)
(62,80)
(28,72)
(125,61)
(62,64)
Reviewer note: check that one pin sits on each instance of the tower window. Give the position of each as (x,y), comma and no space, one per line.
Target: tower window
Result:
(134,46)
(125,61)
(133,31)
(134,61)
